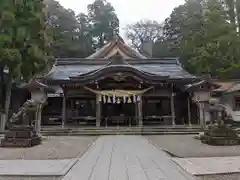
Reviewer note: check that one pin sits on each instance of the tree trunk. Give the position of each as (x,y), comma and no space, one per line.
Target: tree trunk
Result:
(7,103)
(237,11)
(2,85)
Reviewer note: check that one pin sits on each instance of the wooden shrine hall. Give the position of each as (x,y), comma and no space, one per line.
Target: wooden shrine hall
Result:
(117,86)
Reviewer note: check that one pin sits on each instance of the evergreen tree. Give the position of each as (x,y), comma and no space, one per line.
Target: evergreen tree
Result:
(23,43)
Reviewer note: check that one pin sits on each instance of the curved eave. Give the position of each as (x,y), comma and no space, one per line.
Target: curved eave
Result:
(181,82)
(99,74)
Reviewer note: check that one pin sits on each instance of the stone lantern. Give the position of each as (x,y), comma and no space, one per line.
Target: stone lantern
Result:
(39,93)
(37,90)
(26,135)
(201,95)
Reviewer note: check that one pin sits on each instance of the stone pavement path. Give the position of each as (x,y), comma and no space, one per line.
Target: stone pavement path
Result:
(125,158)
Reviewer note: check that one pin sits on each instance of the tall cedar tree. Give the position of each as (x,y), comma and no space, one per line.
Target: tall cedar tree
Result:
(23,43)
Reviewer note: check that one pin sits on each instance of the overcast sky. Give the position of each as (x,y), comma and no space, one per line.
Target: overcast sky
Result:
(130,11)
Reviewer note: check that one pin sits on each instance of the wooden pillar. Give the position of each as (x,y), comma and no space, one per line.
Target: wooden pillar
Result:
(189,112)
(64,110)
(173,109)
(72,104)
(98,111)
(136,112)
(140,117)
(204,115)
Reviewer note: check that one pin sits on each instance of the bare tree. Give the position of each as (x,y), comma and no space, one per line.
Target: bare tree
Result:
(143,31)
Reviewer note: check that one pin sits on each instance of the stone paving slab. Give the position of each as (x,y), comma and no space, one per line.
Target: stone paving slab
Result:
(125,158)
(208,166)
(35,167)
(30,177)
(235,176)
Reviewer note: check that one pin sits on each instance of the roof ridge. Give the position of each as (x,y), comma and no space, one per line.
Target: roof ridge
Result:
(99,61)
(153,58)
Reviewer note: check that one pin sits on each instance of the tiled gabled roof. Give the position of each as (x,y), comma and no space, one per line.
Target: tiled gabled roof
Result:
(117,45)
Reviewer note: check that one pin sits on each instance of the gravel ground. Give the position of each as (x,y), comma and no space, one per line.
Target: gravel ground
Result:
(187,146)
(51,148)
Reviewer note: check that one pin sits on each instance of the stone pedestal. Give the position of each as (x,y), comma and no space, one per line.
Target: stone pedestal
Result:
(21,136)
(2,122)
(220,135)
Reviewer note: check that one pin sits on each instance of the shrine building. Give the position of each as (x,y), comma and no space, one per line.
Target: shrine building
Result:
(117,86)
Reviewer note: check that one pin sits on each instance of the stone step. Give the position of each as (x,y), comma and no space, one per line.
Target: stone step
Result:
(80,133)
(116,130)
(109,127)
(119,130)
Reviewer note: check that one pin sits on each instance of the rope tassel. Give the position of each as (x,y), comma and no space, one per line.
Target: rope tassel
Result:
(109,99)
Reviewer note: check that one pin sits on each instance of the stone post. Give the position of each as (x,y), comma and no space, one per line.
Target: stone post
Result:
(201,114)
(38,118)
(2,122)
